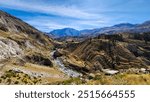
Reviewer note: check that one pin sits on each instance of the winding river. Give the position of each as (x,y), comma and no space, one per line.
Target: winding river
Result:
(58,62)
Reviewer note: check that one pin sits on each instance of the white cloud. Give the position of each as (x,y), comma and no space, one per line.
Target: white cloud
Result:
(78,14)
(78,17)
(49,23)
(60,10)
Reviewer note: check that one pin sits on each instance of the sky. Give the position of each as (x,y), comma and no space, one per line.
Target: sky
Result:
(47,15)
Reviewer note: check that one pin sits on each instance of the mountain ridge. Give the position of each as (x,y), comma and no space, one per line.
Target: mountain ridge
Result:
(65,32)
(25,54)
(118,28)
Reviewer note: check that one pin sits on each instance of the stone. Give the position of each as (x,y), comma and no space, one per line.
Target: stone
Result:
(9,48)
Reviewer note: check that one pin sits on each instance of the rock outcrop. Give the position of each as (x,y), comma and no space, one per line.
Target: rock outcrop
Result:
(9,48)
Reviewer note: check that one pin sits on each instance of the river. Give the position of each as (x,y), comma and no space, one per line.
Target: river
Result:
(58,62)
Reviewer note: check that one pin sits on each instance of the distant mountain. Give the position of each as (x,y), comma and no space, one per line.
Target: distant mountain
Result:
(70,32)
(119,28)
(89,32)
(65,32)
(145,24)
(123,27)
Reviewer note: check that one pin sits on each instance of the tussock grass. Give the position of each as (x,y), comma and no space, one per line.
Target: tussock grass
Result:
(119,79)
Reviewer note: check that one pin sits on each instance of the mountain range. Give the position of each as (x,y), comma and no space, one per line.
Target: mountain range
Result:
(119,28)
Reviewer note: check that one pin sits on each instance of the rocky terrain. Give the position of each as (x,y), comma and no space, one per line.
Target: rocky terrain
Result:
(110,57)
(25,50)
(109,52)
(28,56)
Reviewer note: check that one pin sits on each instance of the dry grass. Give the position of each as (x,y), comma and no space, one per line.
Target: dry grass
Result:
(39,68)
(119,79)
(122,79)
(14,77)
(47,75)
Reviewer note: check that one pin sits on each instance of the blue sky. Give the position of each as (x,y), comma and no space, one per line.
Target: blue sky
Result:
(47,15)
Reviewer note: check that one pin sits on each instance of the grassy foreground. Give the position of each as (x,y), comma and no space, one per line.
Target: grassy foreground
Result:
(119,79)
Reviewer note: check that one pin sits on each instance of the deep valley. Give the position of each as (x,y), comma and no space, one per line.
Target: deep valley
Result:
(118,55)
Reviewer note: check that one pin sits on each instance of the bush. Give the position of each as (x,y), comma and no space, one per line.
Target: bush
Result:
(16,82)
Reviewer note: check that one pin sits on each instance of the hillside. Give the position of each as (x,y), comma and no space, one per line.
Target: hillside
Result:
(108,59)
(25,53)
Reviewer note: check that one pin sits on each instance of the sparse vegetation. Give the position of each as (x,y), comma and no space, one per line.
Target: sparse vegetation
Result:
(72,81)
(18,77)
(119,79)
